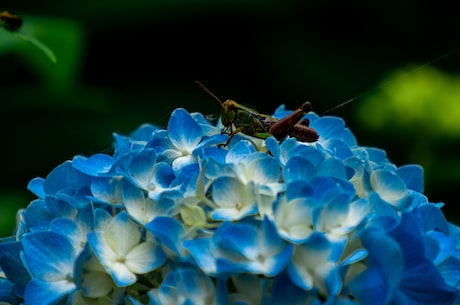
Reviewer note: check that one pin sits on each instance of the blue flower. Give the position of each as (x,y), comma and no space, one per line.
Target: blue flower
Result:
(142,170)
(50,259)
(180,216)
(117,244)
(313,266)
(186,286)
(242,247)
(142,208)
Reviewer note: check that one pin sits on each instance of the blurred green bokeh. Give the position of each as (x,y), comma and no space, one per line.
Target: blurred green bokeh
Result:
(123,63)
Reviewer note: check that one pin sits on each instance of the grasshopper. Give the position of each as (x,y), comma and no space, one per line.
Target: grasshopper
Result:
(10,20)
(252,123)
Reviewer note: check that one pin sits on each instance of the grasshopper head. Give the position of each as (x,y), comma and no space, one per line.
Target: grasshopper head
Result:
(229,112)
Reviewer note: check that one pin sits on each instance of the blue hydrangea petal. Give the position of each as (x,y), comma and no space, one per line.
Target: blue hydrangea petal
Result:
(294,219)
(237,240)
(164,174)
(349,138)
(391,188)
(161,143)
(298,169)
(114,239)
(433,219)
(182,162)
(216,169)
(422,282)
(138,167)
(284,292)
(315,155)
(377,284)
(332,168)
(278,252)
(355,256)
(240,152)
(329,127)
(333,216)
(70,229)
(145,257)
(425,286)
(310,266)
(201,250)
(273,147)
(44,292)
(36,186)
(119,272)
(281,112)
(378,156)
(169,155)
(272,265)
(102,219)
(382,213)
(185,133)
(358,212)
(12,265)
(290,147)
(21,224)
(450,271)
(6,291)
(327,189)
(170,233)
(208,129)
(264,170)
(122,233)
(38,216)
(217,139)
(135,202)
(299,189)
(143,132)
(95,282)
(209,153)
(410,239)
(186,286)
(256,250)
(338,148)
(96,165)
(123,144)
(107,190)
(195,286)
(49,255)
(439,246)
(412,176)
(65,178)
(234,199)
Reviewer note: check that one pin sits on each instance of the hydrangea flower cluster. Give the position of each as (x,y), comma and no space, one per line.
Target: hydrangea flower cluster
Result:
(175,217)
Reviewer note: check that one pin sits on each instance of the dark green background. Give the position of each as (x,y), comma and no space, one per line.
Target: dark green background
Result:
(123,63)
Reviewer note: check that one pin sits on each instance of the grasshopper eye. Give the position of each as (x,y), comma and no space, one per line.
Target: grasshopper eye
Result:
(11,21)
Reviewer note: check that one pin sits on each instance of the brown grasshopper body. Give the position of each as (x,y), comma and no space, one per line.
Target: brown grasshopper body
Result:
(238,118)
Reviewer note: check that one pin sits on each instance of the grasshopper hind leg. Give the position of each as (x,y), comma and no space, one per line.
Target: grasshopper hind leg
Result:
(304,122)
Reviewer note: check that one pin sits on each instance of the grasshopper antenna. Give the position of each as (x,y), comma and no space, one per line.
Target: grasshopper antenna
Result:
(392,81)
(202,87)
